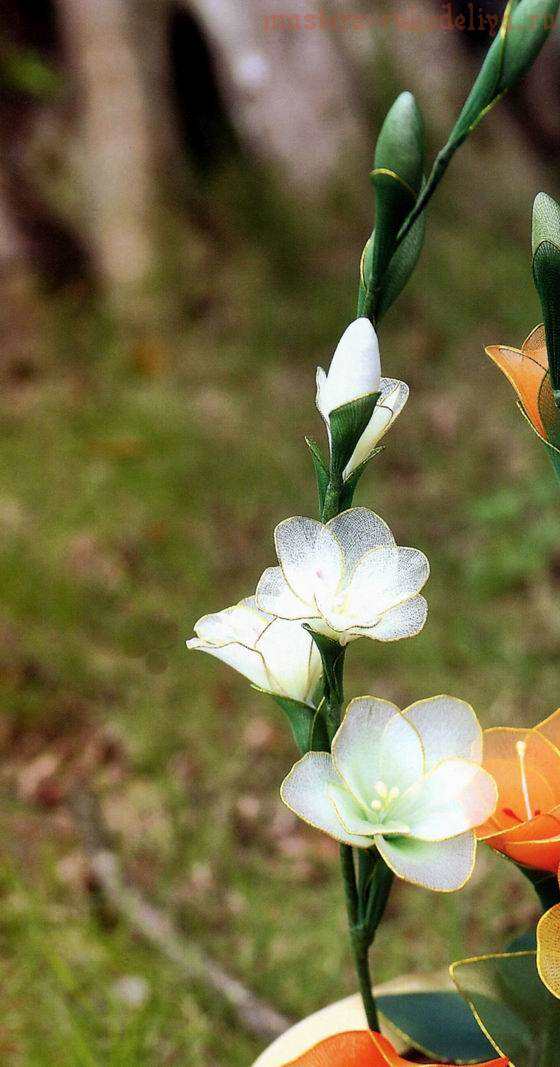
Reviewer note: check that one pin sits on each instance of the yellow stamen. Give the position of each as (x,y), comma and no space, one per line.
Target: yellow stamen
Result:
(521,747)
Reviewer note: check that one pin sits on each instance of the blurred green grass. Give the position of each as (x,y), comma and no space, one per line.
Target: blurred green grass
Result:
(140,489)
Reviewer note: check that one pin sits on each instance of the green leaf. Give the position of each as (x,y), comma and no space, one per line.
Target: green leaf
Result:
(401,267)
(348,423)
(511,1004)
(438,1024)
(526,942)
(302,720)
(321,470)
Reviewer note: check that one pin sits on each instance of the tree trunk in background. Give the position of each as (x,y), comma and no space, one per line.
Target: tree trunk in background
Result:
(18,311)
(292,91)
(117,50)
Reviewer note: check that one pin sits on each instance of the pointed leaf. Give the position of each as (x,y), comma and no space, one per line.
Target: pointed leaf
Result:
(439,1024)
(321,470)
(510,1002)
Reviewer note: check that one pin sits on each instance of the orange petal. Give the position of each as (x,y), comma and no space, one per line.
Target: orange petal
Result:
(540,855)
(526,375)
(361,1049)
(550,728)
(535,346)
(527,786)
(548,949)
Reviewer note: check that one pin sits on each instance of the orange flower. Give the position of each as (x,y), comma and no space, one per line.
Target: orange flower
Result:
(527,370)
(360,1049)
(526,767)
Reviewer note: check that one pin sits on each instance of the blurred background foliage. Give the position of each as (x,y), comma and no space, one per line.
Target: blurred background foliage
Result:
(183,202)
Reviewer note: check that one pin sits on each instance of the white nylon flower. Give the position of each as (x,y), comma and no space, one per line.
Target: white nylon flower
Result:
(346,579)
(355,371)
(276,655)
(410,783)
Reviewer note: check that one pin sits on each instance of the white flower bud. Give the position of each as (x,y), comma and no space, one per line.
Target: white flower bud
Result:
(355,370)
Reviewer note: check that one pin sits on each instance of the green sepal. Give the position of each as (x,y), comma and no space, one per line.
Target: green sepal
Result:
(319,734)
(365,278)
(438,1024)
(396,178)
(348,423)
(546,275)
(301,718)
(511,1004)
(321,470)
(350,484)
(332,658)
(400,268)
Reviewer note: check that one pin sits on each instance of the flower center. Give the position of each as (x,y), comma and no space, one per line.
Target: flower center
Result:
(385,796)
(521,748)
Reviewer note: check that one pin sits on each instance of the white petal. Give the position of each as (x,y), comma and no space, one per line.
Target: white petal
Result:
(242,622)
(406,620)
(441,865)
(242,659)
(383,580)
(355,368)
(305,792)
(275,596)
(454,797)
(358,530)
(309,556)
(321,395)
(448,727)
(292,659)
(394,395)
(351,814)
(375,742)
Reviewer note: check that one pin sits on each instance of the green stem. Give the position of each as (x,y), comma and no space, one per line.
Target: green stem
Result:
(360,946)
(441,163)
(378,895)
(358,936)
(331,504)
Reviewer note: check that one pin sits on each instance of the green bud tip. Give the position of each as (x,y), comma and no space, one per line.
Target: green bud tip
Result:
(400,145)
(546,221)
